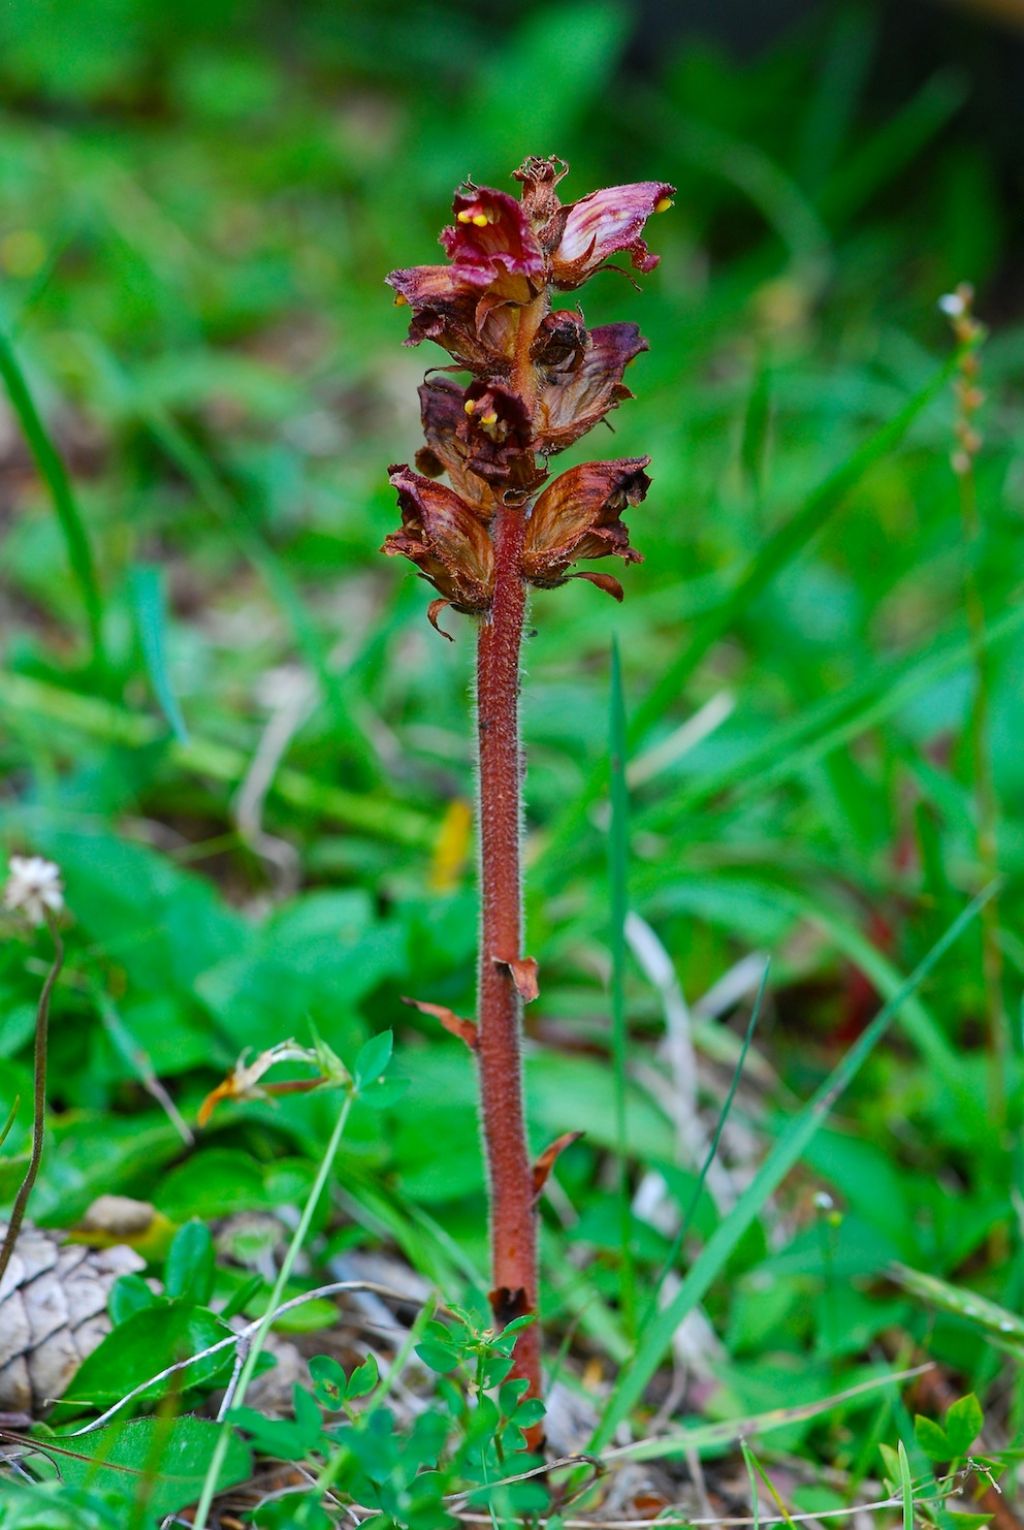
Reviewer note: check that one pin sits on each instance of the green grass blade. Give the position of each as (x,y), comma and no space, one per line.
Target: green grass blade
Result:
(916,1020)
(800,742)
(775,554)
(12,1116)
(755,1470)
(998,1324)
(54,474)
(829,121)
(147,597)
(756,432)
(618,858)
(377,815)
(906,1487)
(179,448)
(883,155)
(755,1495)
(723,1116)
(782,546)
(712,1437)
(781,1159)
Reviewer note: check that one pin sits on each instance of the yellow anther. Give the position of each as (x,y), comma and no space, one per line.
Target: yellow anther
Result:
(401,301)
(465,216)
(481,219)
(469,405)
(489,419)
(664,204)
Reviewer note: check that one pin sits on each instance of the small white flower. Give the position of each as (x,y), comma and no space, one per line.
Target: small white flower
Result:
(33,888)
(823,1201)
(952,304)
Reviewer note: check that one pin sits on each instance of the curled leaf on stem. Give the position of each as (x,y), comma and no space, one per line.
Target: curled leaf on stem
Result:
(523,970)
(433,613)
(453,1023)
(546,1162)
(606,582)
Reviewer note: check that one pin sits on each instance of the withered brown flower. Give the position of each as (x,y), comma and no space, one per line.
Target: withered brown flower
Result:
(447,541)
(579,516)
(578,393)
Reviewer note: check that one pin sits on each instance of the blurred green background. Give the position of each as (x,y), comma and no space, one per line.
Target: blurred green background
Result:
(227,717)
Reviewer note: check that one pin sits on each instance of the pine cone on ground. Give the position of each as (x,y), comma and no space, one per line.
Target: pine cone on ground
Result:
(53,1313)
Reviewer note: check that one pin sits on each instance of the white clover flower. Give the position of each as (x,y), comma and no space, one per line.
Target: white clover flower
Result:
(33,888)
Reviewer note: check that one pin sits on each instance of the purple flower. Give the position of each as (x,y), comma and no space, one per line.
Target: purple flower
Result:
(492,238)
(603,224)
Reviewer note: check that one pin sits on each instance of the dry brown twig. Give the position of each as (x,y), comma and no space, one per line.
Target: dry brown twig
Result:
(34,890)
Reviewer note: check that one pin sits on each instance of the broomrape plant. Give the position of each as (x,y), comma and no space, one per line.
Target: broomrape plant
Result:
(540,381)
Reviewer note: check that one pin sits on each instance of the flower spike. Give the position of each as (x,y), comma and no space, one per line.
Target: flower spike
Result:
(525,403)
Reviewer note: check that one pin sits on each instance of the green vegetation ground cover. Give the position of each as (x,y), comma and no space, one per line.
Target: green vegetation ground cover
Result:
(228,721)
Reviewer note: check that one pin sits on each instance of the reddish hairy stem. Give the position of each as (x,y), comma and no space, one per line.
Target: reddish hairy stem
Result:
(513,1218)
(499,1010)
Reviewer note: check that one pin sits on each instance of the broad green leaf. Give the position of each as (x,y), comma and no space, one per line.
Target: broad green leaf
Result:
(373,1058)
(438,1357)
(146,1343)
(932,1439)
(213,1183)
(147,595)
(131,1294)
(159,1461)
(963,1424)
(329,1381)
(295,1511)
(363,1379)
(286,1439)
(188,1271)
